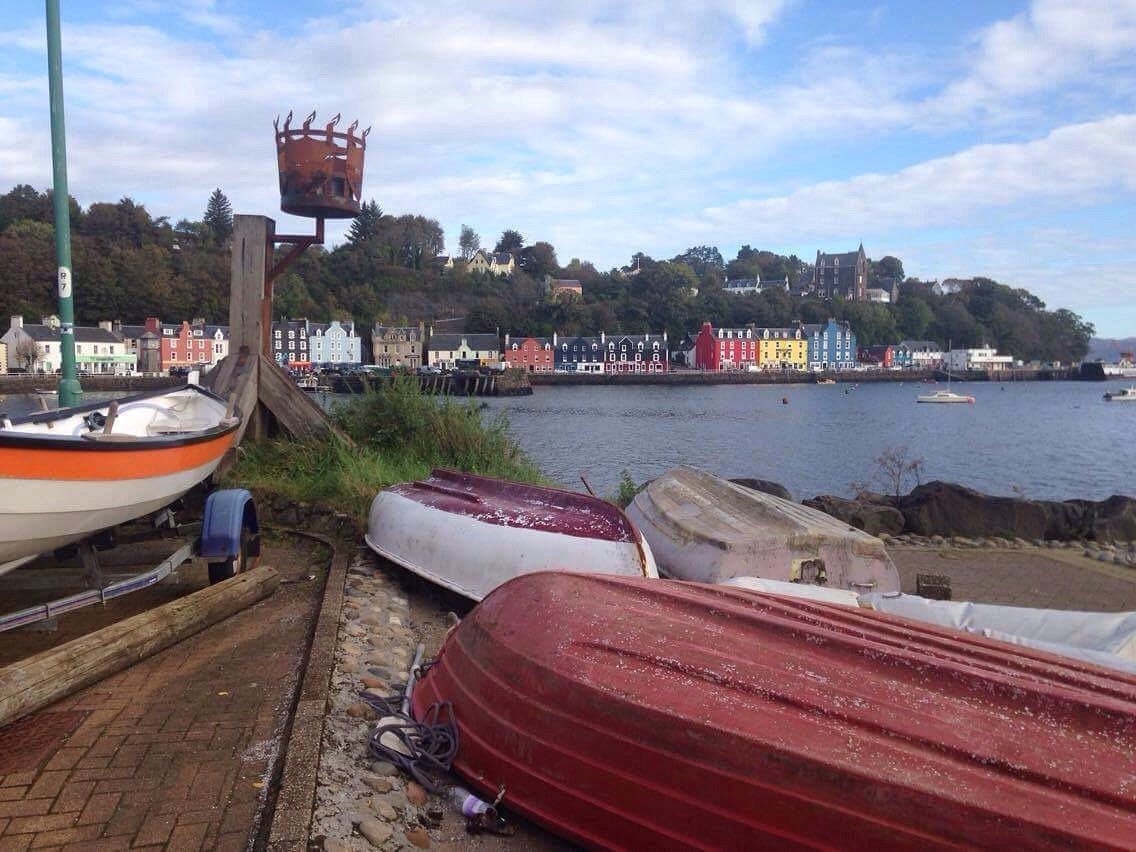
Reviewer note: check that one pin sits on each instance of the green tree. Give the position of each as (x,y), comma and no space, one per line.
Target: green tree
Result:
(219,217)
(367,225)
(511,241)
(539,260)
(469,242)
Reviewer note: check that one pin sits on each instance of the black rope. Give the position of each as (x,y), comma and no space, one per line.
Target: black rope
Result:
(427,746)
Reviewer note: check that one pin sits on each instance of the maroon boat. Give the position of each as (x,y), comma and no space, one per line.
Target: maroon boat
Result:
(646,714)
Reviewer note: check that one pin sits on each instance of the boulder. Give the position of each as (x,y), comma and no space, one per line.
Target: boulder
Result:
(766,486)
(873,518)
(943,508)
(1114,519)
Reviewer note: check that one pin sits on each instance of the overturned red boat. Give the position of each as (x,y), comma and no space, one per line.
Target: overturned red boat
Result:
(626,713)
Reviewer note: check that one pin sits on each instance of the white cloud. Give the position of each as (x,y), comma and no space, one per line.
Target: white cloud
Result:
(1071,166)
(1053,42)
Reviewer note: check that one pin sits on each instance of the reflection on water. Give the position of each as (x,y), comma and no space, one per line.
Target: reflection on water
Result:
(1052,440)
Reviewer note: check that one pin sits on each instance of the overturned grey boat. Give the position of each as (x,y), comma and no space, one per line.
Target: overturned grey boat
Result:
(701,527)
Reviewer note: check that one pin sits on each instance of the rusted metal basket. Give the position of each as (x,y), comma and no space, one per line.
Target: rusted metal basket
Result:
(321,171)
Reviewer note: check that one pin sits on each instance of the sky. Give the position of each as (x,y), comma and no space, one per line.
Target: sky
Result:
(978,137)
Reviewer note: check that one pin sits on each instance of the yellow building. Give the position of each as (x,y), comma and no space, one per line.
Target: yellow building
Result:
(781,349)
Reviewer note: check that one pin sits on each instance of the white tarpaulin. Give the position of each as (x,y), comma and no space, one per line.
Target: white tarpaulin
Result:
(1104,638)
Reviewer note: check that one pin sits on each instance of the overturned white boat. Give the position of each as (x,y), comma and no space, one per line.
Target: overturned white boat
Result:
(701,527)
(471,533)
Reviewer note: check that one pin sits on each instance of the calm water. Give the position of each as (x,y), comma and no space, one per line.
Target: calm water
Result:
(1054,440)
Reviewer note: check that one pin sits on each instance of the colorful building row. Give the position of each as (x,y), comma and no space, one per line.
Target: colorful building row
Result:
(300,344)
(627,353)
(805,346)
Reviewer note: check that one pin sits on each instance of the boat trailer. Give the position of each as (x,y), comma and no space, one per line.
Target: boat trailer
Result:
(227,538)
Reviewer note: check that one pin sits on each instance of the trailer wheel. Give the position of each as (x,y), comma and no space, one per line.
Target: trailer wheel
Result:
(234,565)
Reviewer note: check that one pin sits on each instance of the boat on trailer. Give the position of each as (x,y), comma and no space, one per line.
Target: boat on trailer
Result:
(69,473)
(471,533)
(633,714)
(705,528)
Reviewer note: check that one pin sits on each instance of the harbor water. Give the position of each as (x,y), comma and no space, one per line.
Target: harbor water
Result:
(1042,440)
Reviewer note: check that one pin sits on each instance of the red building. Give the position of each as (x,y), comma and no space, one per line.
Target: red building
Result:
(182,346)
(877,356)
(531,354)
(725,348)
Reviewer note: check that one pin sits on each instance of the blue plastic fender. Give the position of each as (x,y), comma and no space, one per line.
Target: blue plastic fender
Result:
(227,512)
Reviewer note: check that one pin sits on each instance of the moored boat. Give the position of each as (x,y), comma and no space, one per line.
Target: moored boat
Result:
(69,473)
(701,527)
(622,713)
(471,533)
(944,396)
(1122,395)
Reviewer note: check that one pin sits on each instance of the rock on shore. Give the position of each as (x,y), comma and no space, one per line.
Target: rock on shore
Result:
(946,509)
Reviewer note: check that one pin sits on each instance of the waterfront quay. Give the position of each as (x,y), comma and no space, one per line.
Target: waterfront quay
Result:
(679,376)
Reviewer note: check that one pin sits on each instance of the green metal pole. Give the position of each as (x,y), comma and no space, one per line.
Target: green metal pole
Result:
(69,388)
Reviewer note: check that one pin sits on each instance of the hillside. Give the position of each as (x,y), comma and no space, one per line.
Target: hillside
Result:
(1108,349)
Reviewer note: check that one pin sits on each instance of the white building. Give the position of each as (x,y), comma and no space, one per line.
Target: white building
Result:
(925,354)
(983,358)
(334,344)
(36,348)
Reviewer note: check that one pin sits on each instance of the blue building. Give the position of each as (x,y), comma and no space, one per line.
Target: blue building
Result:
(578,354)
(832,345)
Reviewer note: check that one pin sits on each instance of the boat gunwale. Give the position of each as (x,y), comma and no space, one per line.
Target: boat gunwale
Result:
(37,440)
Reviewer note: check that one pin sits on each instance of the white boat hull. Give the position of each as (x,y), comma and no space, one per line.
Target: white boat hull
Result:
(472,557)
(65,475)
(709,530)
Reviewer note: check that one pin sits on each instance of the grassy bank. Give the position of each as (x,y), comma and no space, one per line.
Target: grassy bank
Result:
(400,434)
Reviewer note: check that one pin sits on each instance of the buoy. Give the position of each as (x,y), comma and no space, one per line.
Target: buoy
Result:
(784,400)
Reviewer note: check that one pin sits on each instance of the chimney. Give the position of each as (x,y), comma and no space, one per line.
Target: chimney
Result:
(603,337)
(506,340)
(106,325)
(554,339)
(17,322)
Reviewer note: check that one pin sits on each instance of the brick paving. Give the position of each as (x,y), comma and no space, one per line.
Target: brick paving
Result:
(1049,579)
(179,750)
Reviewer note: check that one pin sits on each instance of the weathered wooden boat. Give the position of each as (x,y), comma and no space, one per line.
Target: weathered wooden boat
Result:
(471,533)
(701,527)
(69,473)
(624,713)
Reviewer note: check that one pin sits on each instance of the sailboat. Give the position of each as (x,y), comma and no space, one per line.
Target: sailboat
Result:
(945,395)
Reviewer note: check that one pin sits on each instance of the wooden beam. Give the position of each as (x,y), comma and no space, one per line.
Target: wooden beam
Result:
(249,300)
(294,410)
(43,679)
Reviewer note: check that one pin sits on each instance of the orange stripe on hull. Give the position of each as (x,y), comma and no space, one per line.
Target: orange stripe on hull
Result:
(121,462)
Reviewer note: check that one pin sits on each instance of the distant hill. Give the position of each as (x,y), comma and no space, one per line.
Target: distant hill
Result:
(1109,349)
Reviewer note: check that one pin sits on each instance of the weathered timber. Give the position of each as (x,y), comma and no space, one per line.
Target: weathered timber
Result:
(295,411)
(38,681)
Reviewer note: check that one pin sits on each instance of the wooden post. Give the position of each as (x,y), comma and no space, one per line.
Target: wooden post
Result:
(248,301)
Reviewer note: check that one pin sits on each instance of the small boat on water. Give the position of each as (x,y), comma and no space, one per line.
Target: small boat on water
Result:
(69,473)
(630,714)
(701,527)
(944,396)
(471,533)
(312,384)
(1122,395)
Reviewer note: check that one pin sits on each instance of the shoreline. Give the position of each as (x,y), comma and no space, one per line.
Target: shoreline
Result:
(796,377)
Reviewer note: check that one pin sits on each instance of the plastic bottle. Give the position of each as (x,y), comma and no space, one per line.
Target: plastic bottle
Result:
(470,805)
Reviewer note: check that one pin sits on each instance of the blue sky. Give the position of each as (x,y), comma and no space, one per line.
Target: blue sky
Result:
(970,138)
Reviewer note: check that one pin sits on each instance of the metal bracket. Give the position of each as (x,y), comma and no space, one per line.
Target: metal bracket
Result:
(299,243)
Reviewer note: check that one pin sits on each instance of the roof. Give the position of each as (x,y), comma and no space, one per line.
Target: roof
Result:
(83,334)
(847,257)
(479,342)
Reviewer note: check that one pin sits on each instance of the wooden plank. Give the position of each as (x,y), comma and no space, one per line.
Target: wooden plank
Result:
(43,679)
